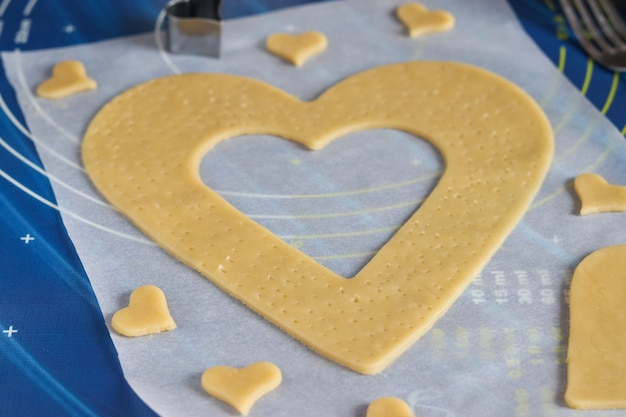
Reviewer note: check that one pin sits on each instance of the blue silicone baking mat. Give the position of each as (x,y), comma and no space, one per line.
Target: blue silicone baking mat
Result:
(57,357)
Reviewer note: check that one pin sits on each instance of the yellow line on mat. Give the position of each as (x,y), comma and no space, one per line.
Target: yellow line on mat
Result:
(587,81)
(562,57)
(611,96)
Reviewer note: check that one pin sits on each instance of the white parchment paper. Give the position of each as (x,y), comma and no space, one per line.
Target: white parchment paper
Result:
(500,349)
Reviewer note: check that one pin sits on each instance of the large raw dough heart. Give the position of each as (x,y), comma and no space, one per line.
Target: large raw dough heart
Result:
(144,148)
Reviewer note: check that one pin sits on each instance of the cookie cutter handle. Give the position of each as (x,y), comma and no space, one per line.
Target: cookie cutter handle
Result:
(194,27)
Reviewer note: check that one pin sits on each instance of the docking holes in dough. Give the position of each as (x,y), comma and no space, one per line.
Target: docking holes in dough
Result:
(495,140)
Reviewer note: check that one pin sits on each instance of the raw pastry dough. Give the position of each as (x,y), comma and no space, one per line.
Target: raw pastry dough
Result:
(68,77)
(496,142)
(421,21)
(598,196)
(147,313)
(241,388)
(389,407)
(596,354)
(296,49)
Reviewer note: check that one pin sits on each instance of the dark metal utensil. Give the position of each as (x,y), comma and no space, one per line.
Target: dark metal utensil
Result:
(194,27)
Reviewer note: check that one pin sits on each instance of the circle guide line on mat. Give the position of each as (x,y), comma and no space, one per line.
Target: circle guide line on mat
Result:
(51,177)
(34,139)
(70,213)
(611,95)
(335,194)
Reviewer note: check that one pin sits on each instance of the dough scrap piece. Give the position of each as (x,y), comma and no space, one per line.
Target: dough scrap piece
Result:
(68,78)
(297,49)
(389,407)
(496,141)
(421,21)
(598,196)
(147,313)
(596,354)
(241,387)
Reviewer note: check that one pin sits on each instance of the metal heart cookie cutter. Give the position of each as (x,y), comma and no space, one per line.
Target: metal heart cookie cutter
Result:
(194,27)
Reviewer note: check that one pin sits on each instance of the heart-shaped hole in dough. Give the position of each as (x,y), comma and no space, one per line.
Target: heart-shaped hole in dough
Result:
(338,205)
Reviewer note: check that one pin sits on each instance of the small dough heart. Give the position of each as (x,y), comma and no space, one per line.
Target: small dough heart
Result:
(147,313)
(68,77)
(421,21)
(241,387)
(598,196)
(389,407)
(296,49)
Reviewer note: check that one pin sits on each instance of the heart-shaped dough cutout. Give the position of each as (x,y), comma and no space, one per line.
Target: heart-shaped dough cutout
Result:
(598,196)
(241,387)
(389,407)
(296,49)
(495,140)
(68,77)
(596,354)
(420,21)
(147,313)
